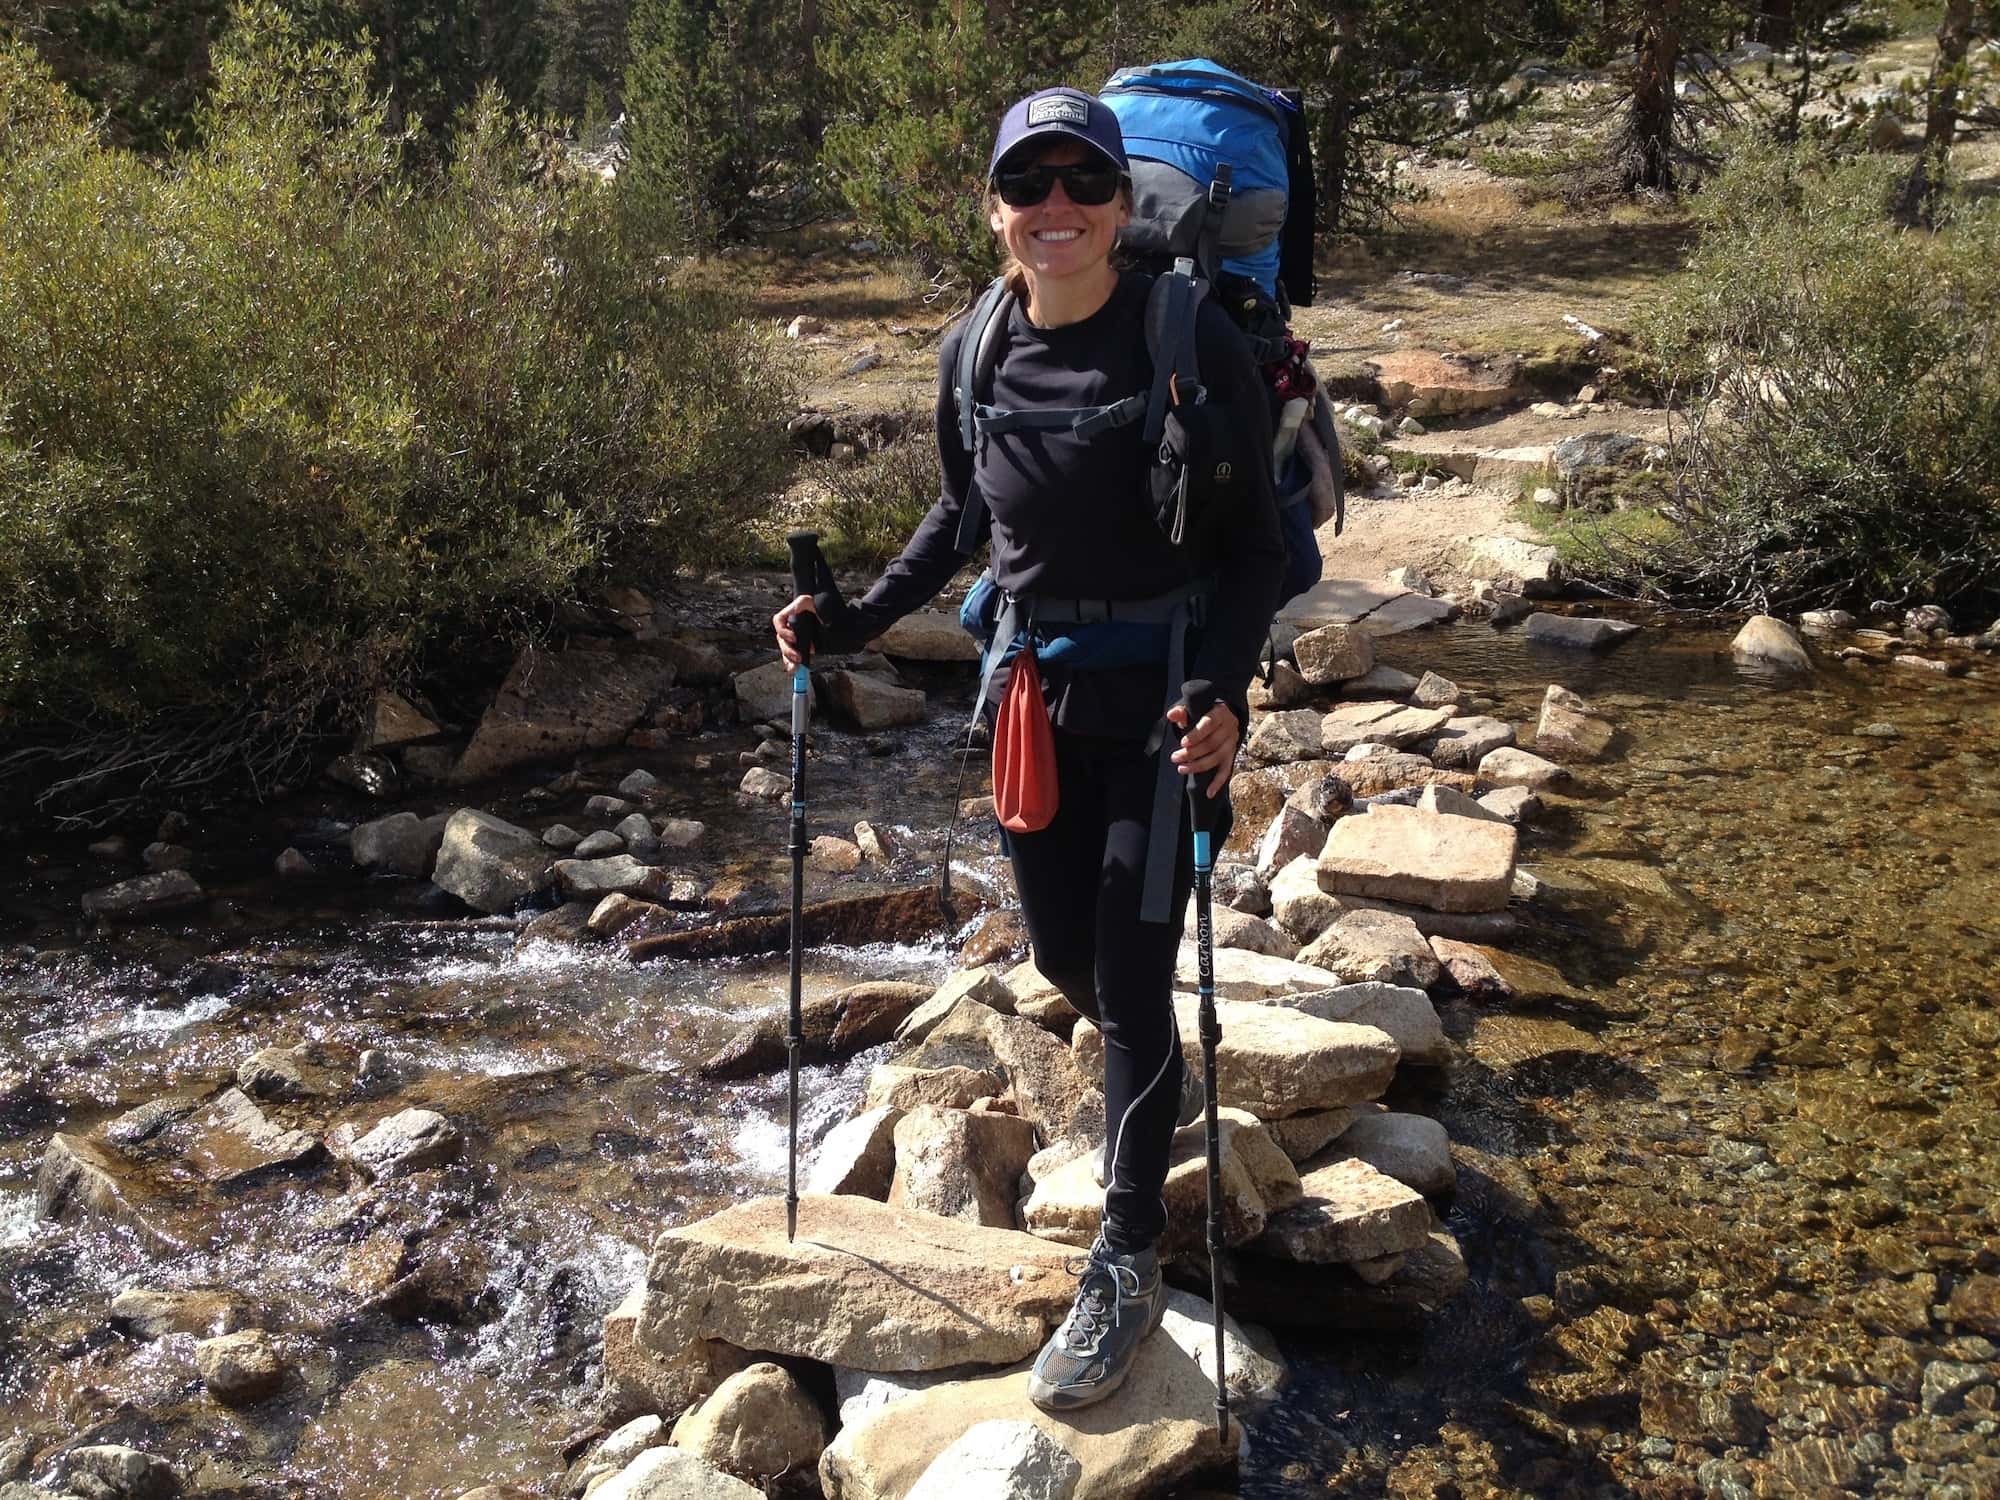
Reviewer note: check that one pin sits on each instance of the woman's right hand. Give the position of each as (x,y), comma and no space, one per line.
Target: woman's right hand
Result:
(781,622)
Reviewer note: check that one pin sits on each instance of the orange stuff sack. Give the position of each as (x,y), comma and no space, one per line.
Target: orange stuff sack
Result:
(1024,751)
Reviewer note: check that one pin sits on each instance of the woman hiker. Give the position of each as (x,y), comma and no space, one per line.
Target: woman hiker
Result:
(1075,543)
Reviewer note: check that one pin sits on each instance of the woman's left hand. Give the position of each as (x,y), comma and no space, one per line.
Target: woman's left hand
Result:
(1210,745)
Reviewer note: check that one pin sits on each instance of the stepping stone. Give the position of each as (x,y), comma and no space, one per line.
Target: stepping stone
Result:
(1569,728)
(1462,741)
(1511,767)
(1401,854)
(1350,1212)
(1413,1149)
(1577,631)
(1384,723)
(1406,1015)
(1373,946)
(863,1285)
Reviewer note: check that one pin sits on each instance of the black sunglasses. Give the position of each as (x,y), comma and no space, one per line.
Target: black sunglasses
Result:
(1086,184)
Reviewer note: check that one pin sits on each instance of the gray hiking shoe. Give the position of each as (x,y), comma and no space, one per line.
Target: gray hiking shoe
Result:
(1119,1300)
(1194,1103)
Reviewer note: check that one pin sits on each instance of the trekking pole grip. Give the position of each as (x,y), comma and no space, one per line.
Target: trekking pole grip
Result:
(1200,696)
(806,569)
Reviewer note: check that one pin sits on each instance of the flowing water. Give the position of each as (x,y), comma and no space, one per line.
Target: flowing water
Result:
(1728,1208)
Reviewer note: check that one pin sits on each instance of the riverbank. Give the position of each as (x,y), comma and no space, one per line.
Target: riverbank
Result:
(1757,1106)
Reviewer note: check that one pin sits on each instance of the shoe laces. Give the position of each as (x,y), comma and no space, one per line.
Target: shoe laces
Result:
(1100,1298)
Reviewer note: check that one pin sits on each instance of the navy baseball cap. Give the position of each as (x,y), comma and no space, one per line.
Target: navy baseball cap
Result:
(1058,112)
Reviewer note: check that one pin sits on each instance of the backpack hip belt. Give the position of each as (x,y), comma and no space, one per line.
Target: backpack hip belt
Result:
(1179,610)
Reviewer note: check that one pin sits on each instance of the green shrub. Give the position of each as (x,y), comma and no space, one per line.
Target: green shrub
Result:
(871,507)
(1844,381)
(280,423)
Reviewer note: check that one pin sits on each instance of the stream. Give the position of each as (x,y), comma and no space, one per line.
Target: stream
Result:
(1728,1209)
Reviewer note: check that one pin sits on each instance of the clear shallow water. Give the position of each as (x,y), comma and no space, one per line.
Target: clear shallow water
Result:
(1716,1245)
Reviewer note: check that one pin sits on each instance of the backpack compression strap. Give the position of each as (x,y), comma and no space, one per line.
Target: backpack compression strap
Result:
(1171,307)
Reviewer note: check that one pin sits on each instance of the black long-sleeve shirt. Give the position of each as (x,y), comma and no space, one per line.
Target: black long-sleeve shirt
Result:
(1071,518)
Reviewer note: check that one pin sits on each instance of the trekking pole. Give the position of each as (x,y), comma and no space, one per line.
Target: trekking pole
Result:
(1199,695)
(804,547)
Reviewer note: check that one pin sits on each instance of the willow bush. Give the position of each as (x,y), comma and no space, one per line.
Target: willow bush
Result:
(1844,386)
(281,418)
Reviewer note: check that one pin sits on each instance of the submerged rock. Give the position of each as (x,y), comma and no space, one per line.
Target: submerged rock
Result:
(144,896)
(410,1140)
(240,1369)
(1577,631)
(111,1471)
(155,1313)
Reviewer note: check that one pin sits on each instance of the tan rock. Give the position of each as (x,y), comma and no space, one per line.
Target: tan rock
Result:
(983,985)
(240,1369)
(1038,999)
(1258,793)
(960,1165)
(893,1086)
(1373,947)
(1291,734)
(1258,1180)
(1156,1431)
(670,1474)
(1401,854)
(1507,1042)
(1037,1068)
(1438,385)
(1570,729)
(638,1379)
(1350,1212)
(760,1423)
(1447,803)
(832,855)
(1413,1149)
(1274,1061)
(1490,974)
(1770,642)
(392,720)
(154,1313)
(929,635)
(1463,742)
(1293,832)
(1240,930)
(1405,1014)
(1302,1137)
(1333,653)
(1298,903)
(1388,773)
(858,1156)
(1381,723)
(863,1285)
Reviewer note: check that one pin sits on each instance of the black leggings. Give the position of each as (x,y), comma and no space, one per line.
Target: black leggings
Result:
(1079,880)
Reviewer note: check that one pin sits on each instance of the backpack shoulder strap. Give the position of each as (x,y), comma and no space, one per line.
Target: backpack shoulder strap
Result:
(1171,308)
(977,352)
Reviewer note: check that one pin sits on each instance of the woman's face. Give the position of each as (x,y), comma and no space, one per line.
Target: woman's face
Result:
(1056,238)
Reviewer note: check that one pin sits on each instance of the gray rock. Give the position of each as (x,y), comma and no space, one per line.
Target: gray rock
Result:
(1385,723)
(602,806)
(670,1474)
(866,701)
(765,785)
(1570,729)
(929,635)
(1350,1212)
(1287,736)
(1926,620)
(1433,691)
(557,703)
(561,837)
(680,833)
(164,856)
(1594,450)
(156,1313)
(1404,1014)
(1512,804)
(1577,632)
(1322,799)
(1292,833)
(490,865)
(1462,741)
(760,1423)
(1333,653)
(1286,689)
(1448,802)
(638,785)
(598,845)
(1000,1459)
(144,896)
(1826,621)
(1239,886)
(1413,1149)
(858,1156)
(111,1471)
(960,1165)
(1947,1382)
(408,1141)
(1511,767)
(766,693)
(621,875)
(1380,682)
(400,844)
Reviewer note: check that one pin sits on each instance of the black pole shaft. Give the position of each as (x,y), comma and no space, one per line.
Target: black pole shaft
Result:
(806,569)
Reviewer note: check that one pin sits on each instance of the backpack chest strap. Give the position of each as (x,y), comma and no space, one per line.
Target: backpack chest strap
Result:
(1084,421)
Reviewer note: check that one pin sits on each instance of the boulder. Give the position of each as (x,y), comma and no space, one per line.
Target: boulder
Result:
(391,721)
(233,1141)
(1289,735)
(411,1140)
(112,1471)
(1512,804)
(1511,767)
(554,704)
(1381,682)
(1003,1459)
(1243,975)
(1373,947)
(144,896)
(863,1285)
(1413,1149)
(240,1369)
(1274,1061)
(1235,929)
(1569,728)
(857,1156)
(1401,854)
(1149,1437)
(1461,742)
(1382,723)
(1350,1212)
(1577,632)
(1333,653)
(867,702)
(400,844)
(929,635)
(1496,976)
(983,986)
(1258,1180)
(1594,450)
(1770,642)
(765,693)
(1406,1015)
(1530,569)
(595,880)
(1298,903)
(490,865)
(1292,833)
(1386,774)
(960,1165)
(1057,1099)
(679,833)
(760,1423)
(155,1313)
(1258,793)
(871,1013)
(638,1379)
(670,1474)
(1433,691)
(1439,385)
(904,1088)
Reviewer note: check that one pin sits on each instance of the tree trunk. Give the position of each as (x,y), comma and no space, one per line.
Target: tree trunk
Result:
(1774,25)
(1646,155)
(811,122)
(1917,203)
